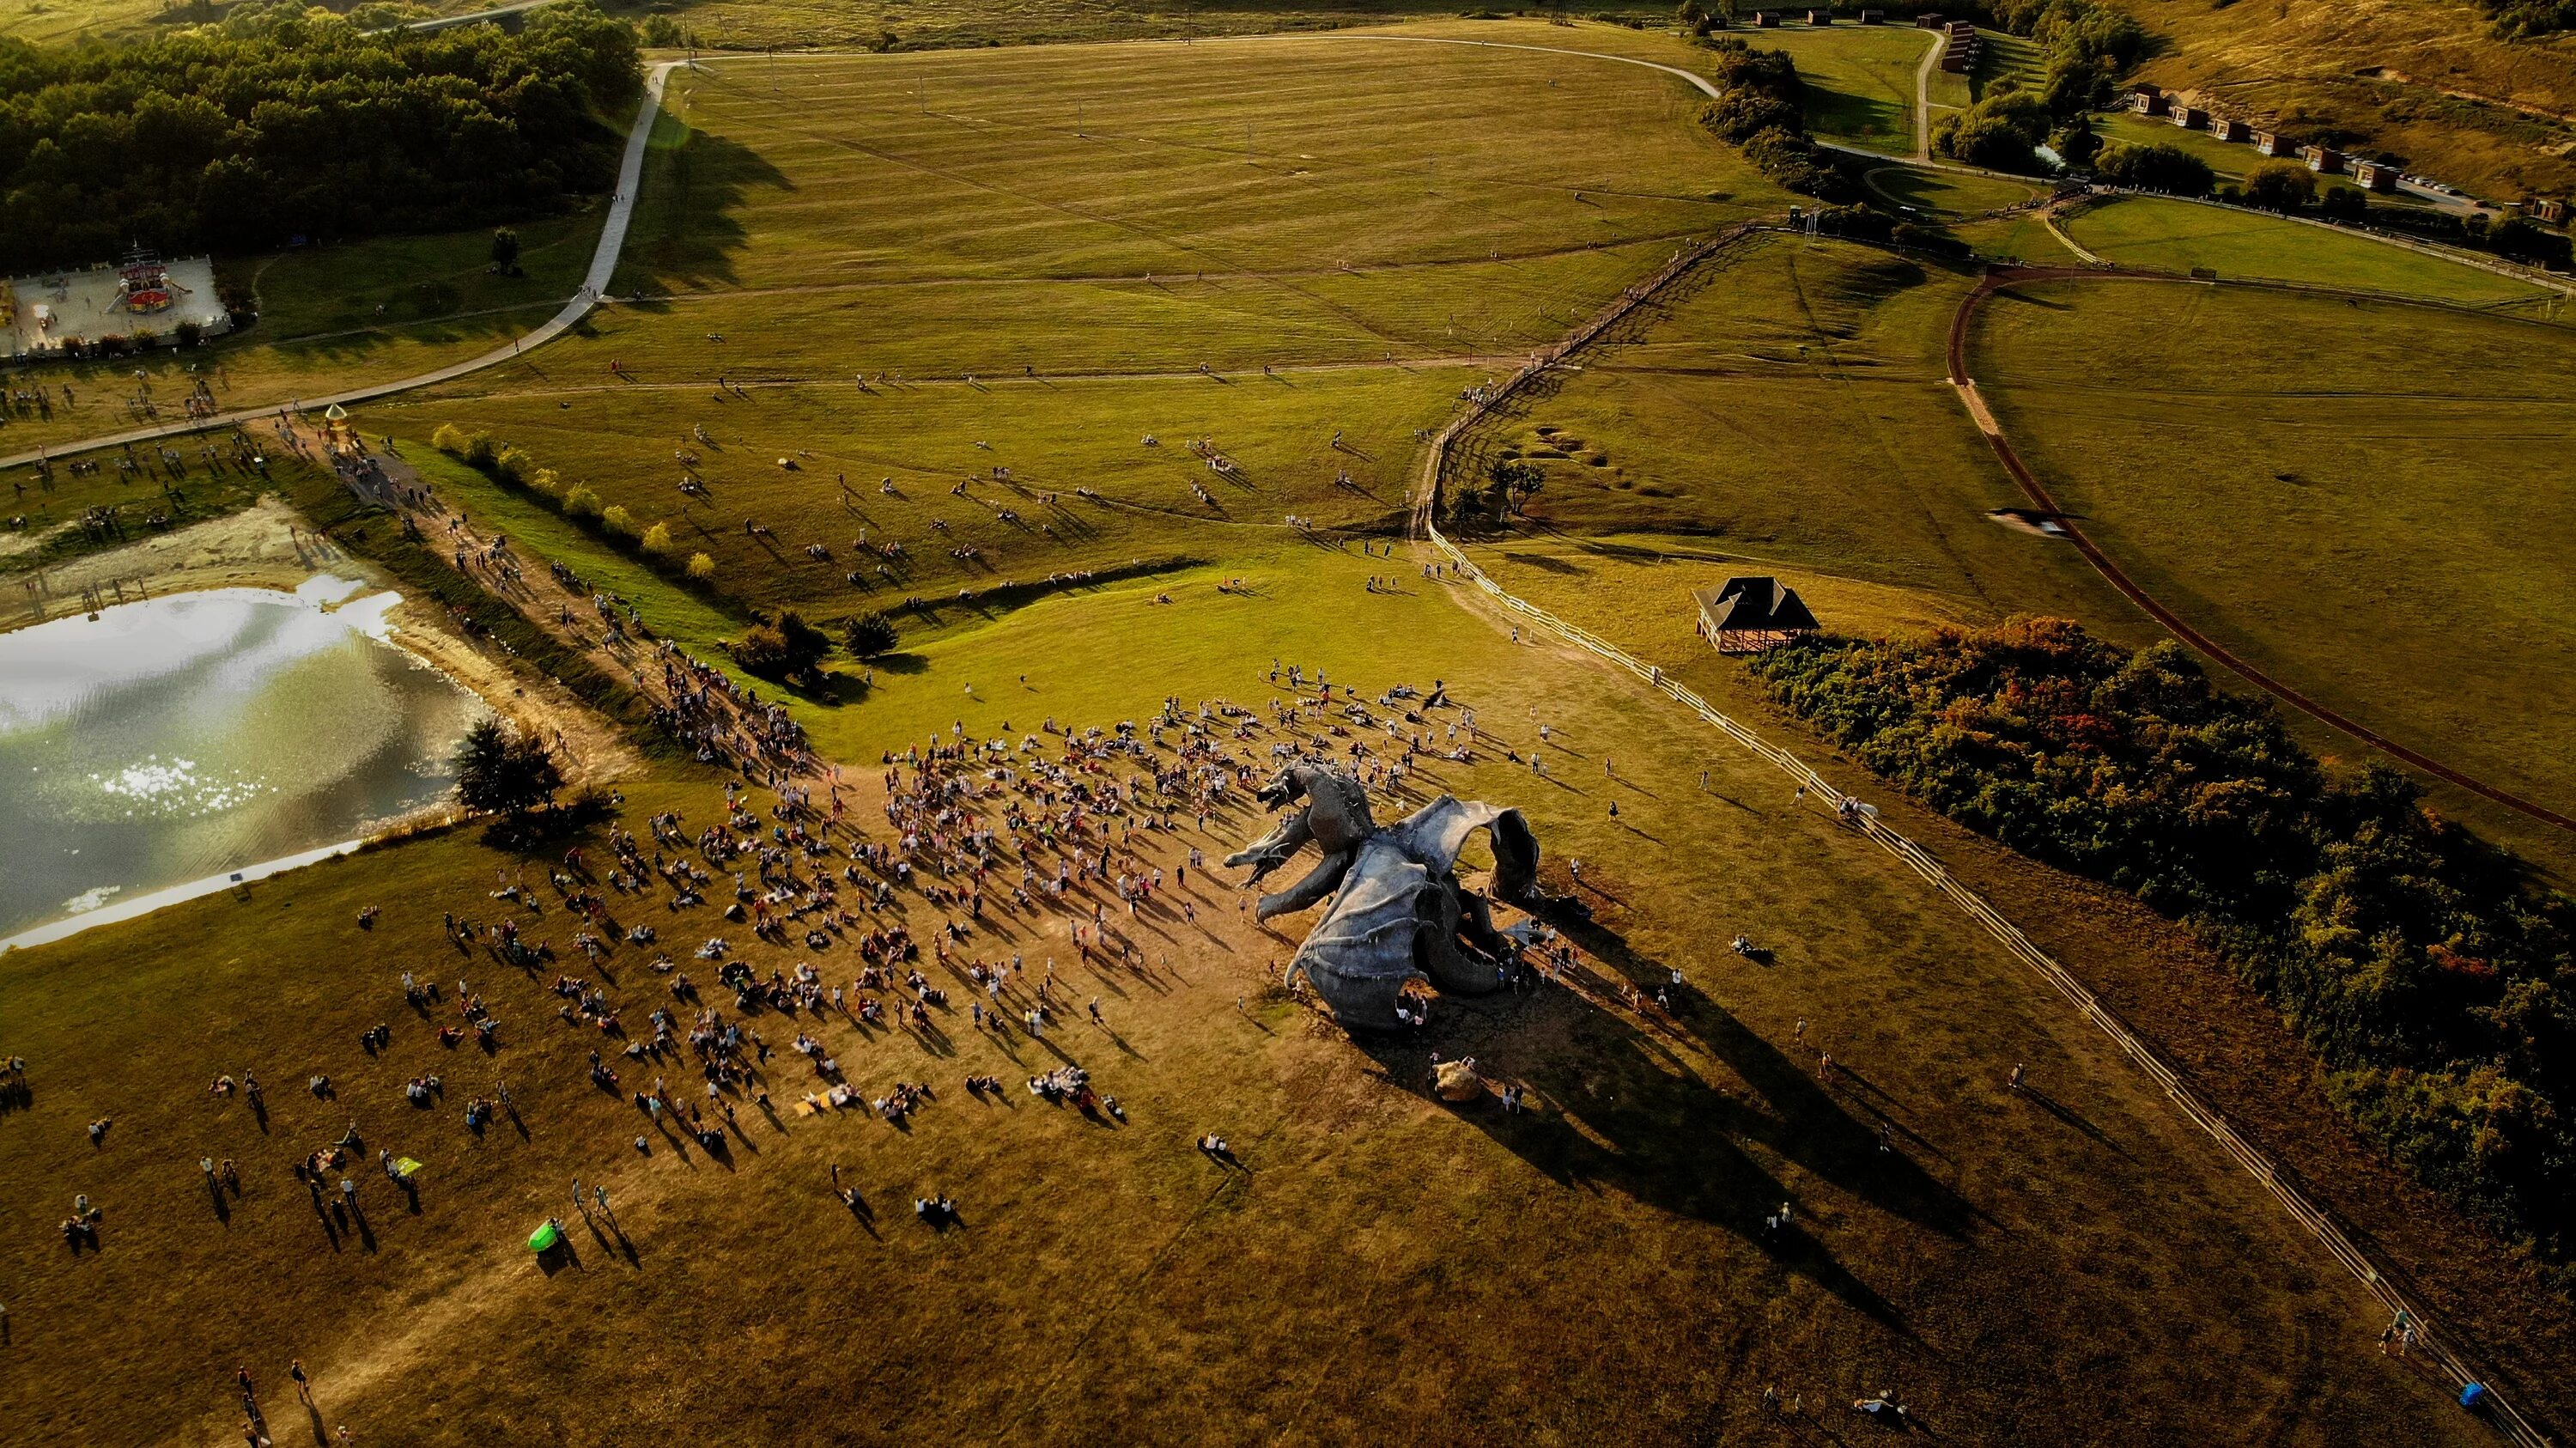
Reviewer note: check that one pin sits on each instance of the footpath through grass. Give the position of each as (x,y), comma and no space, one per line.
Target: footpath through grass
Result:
(319,330)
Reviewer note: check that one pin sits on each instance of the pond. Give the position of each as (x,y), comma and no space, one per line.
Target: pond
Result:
(180,739)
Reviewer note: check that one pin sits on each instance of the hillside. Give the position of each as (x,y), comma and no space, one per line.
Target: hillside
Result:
(2426,79)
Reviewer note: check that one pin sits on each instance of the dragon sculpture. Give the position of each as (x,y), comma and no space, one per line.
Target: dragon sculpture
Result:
(1399,914)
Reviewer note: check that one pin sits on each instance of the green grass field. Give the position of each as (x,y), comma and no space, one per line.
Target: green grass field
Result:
(2178,235)
(1947,196)
(1859,79)
(1789,408)
(1101,1269)
(1030,256)
(2350,495)
(1376,255)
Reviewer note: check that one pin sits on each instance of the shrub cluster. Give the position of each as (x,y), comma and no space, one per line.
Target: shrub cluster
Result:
(2434,981)
(284,120)
(1760,110)
(2158,166)
(2515,238)
(512,468)
(2521,19)
(1998,131)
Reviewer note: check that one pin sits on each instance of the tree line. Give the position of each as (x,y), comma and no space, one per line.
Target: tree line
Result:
(2433,979)
(282,122)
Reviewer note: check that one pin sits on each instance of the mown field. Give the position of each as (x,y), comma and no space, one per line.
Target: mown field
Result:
(1061,261)
(2165,235)
(1789,408)
(2364,499)
(1029,257)
(1859,80)
(1111,1280)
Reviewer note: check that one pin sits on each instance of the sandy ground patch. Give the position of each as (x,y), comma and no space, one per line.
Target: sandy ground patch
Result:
(269,545)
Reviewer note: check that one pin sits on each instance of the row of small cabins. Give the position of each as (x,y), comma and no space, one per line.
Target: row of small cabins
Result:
(1770,19)
(2147,100)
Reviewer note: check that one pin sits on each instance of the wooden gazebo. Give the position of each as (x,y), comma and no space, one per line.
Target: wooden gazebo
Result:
(1748,615)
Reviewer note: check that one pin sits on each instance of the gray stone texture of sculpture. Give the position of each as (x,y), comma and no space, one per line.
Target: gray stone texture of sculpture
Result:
(1399,914)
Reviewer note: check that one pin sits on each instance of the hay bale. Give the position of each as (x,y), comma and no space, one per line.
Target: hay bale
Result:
(1456,1081)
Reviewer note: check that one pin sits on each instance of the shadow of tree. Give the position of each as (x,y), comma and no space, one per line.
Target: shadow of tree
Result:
(688,227)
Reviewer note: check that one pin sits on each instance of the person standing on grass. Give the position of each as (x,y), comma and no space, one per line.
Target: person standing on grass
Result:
(303,1385)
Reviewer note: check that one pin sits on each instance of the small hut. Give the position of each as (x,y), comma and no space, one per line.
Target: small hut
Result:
(1748,615)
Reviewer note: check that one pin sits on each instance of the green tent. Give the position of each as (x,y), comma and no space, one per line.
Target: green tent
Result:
(546,1237)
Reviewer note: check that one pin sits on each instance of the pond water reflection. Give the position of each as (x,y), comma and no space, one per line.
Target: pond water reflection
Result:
(184,737)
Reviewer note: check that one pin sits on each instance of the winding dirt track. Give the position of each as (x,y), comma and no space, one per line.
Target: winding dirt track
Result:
(2112,573)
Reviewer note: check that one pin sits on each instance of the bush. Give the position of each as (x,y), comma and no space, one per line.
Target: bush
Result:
(1739,115)
(451,439)
(1859,223)
(702,569)
(787,648)
(2415,960)
(2161,166)
(1934,239)
(2278,185)
(581,504)
(2520,239)
(1999,133)
(657,541)
(870,636)
(618,521)
(1761,111)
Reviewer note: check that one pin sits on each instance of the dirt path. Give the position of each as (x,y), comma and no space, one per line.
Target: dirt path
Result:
(2444,1346)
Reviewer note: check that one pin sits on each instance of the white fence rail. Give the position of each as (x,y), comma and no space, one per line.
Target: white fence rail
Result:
(2431,1341)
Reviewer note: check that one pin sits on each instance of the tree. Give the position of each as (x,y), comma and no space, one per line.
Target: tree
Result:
(2278,185)
(2158,167)
(498,773)
(1514,481)
(2522,239)
(505,251)
(2078,144)
(785,648)
(870,636)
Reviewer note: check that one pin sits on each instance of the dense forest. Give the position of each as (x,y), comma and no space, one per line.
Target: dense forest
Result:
(2433,980)
(283,121)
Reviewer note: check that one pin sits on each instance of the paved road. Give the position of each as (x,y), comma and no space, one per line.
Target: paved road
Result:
(1923,96)
(603,265)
